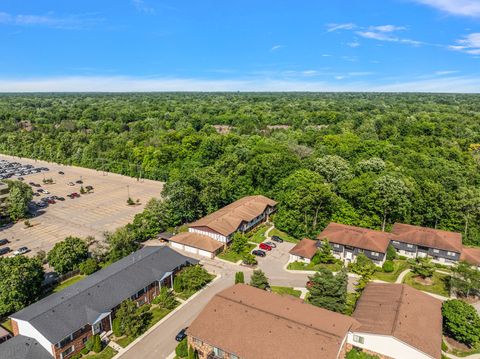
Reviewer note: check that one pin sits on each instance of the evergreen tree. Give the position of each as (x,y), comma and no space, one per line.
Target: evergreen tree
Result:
(239,277)
(329,291)
(259,279)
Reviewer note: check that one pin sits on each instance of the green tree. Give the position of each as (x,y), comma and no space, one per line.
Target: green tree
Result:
(461,321)
(391,253)
(465,280)
(391,195)
(20,194)
(363,266)
(191,279)
(249,259)
(182,349)
(422,267)
(324,254)
(89,266)
(97,344)
(333,168)
(259,279)
(329,291)
(20,283)
(239,243)
(121,243)
(155,218)
(66,255)
(166,299)
(130,319)
(239,277)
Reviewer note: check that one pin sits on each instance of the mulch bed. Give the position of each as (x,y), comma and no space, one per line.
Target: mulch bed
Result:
(457,345)
(423,281)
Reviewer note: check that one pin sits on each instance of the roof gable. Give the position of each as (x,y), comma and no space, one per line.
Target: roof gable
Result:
(428,237)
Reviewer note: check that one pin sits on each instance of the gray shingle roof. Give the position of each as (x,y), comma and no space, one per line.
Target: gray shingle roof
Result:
(65,312)
(21,347)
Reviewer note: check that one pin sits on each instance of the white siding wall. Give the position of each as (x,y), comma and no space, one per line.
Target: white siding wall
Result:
(205,253)
(25,328)
(177,245)
(294,258)
(190,249)
(388,346)
(215,236)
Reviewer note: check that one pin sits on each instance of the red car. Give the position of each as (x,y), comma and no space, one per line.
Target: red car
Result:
(265,247)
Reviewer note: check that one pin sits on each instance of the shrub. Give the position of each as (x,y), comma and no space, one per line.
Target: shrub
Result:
(388,266)
(97,344)
(182,349)
(422,267)
(391,253)
(117,327)
(89,266)
(84,351)
(191,279)
(249,259)
(89,344)
(259,279)
(239,277)
(76,356)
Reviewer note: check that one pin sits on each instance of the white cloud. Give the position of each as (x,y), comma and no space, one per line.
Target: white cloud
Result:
(142,6)
(341,82)
(49,20)
(455,7)
(445,72)
(387,36)
(470,44)
(337,27)
(276,48)
(387,28)
(353,44)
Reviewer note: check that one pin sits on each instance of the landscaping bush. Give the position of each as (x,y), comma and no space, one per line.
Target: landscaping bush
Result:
(358,354)
(239,277)
(182,349)
(76,356)
(423,267)
(249,259)
(84,351)
(391,253)
(97,344)
(403,258)
(259,279)
(461,321)
(89,266)
(89,344)
(388,266)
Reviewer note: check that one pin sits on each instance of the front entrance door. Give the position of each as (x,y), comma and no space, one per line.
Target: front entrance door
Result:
(97,328)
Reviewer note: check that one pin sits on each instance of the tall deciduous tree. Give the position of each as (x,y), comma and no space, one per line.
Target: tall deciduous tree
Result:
(20,283)
(461,321)
(391,197)
(66,255)
(20,194)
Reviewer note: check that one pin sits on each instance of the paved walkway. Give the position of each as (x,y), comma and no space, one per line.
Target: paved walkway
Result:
(402,275)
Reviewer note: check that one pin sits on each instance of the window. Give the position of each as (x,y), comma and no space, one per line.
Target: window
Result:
(219,352)
(358,339)
(436,251)
(395,242)
(233,356)
(451,254)
(375,254)
(84,340)
(409,245)
(67,352)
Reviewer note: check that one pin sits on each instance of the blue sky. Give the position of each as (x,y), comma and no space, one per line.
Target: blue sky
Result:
(244,45)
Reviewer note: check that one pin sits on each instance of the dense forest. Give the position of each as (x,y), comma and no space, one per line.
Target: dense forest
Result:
(361,159)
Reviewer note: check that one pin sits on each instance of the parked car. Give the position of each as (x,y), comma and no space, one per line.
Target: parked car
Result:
(271,244)
(71,184)
(265,247)
(21,178)
(3,242)
(79,182)
(51,201)
(89,188)
(277,239)
(4,250)
(61,172)
(59,198)
(259,253)
(181,335)
(21,250)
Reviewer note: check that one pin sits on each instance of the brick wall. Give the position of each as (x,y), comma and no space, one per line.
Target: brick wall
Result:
(203,349)
(77,342)
(14,327)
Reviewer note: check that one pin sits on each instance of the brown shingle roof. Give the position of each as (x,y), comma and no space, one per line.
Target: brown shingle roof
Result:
(255,324)
(227,219)
(471,255)
(428,237)
(358,237)
(306,248)
(398,310)
(197,241)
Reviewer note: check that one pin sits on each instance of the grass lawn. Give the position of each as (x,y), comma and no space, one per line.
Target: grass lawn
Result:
(334,267)
(258,235)
(283,235)
(286,290)
(439,285)
(68,282)
(106,353)
(231,256)
(399,267)
(7,324)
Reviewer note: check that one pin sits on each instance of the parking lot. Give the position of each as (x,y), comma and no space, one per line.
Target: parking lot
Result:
(91,214)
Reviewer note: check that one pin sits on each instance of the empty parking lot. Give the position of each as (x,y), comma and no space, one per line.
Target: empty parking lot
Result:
(105,209)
